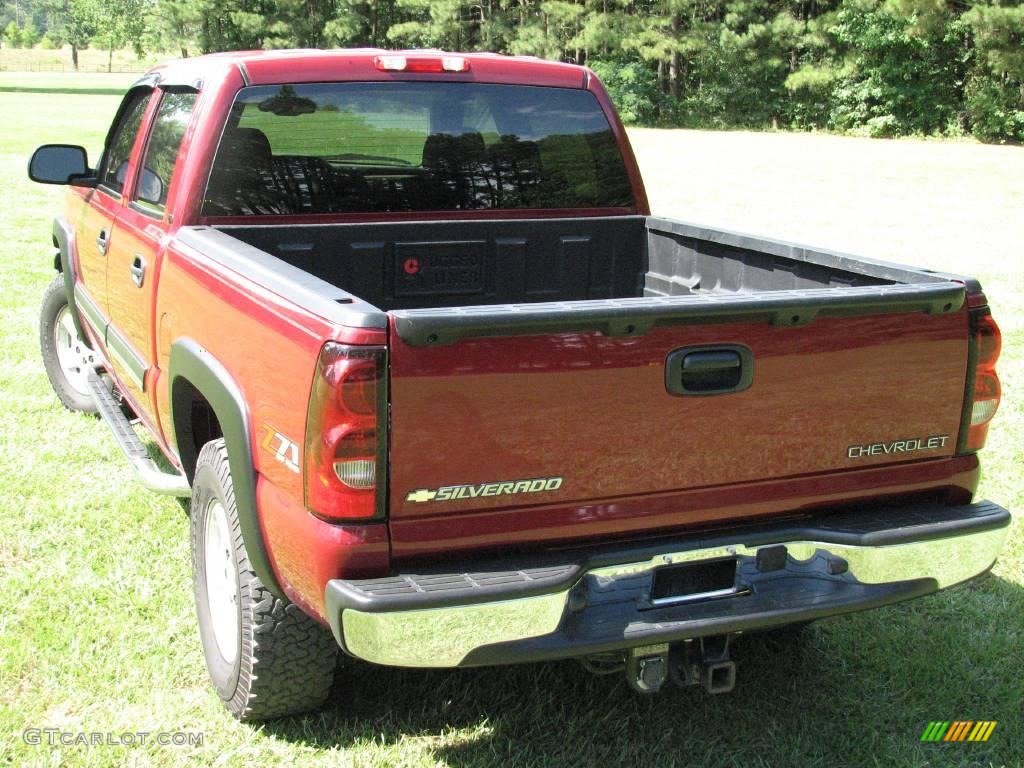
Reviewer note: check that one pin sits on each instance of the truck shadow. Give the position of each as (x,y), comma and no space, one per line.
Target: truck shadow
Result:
(850,691)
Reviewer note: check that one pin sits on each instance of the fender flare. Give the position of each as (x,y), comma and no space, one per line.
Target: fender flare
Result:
(64,237)
(192,367)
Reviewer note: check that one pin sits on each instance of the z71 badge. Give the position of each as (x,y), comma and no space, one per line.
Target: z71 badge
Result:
(285,451)
(504,488)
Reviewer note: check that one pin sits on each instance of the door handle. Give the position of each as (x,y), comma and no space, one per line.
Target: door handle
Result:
(138,270)
(101,242)
(709,370)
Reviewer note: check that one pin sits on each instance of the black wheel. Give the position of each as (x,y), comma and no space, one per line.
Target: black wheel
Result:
(66,357)
(265,656)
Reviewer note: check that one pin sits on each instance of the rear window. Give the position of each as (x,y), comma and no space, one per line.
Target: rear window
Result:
(402,146)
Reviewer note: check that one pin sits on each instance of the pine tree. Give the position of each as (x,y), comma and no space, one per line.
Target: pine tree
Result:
(29,34)
(994,92)
(173,24)
(12,35)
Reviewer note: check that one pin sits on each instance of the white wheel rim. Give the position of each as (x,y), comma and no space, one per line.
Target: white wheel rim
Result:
(73,356)
(221,582)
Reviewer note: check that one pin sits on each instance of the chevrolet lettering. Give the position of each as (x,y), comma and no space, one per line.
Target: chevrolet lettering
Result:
(932,443)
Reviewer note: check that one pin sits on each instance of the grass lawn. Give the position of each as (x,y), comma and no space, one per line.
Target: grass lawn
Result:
(99,84)
(98,632)
(38,59)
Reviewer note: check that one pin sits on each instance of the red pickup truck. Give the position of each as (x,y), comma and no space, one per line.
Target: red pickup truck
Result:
(443,393)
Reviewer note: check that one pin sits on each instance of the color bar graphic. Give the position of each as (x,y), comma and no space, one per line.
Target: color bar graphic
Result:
(958,730)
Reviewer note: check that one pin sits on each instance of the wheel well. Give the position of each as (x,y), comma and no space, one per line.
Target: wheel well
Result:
(195,424)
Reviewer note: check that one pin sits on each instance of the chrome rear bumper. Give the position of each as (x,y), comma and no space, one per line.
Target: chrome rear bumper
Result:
(495,612)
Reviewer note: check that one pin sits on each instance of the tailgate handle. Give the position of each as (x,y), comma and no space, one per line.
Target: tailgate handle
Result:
(709,370)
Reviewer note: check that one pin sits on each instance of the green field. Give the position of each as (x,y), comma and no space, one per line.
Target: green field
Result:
(98,632)
(49,82)
(90,60)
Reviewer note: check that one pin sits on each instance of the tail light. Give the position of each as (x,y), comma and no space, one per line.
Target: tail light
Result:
(346,434)
(983,391)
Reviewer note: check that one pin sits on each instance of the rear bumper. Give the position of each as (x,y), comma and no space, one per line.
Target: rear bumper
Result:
(506,611)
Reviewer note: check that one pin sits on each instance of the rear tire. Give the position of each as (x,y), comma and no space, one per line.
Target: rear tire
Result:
(66,356)
(266,657)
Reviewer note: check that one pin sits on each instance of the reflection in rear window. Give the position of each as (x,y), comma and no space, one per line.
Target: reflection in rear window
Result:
(402,146)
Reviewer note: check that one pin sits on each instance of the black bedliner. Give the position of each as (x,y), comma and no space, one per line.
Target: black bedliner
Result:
(442,281)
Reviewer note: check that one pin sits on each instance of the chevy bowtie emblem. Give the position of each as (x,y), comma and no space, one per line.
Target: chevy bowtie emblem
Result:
(421,495)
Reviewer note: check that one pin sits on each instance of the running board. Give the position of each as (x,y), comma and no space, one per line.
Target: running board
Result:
(149,474)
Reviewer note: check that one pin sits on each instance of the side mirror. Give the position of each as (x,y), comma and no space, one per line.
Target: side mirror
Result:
(151,187)
(61,164)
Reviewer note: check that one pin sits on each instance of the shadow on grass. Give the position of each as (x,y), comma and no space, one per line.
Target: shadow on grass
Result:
(853,690)
(162,463)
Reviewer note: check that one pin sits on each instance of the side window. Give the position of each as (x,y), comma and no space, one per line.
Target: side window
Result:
(169,127)
(119,150)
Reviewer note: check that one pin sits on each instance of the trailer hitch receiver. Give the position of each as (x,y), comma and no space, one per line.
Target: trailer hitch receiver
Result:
(705,662)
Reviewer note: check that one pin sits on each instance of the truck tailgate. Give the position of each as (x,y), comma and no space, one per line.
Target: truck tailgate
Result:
(584,418)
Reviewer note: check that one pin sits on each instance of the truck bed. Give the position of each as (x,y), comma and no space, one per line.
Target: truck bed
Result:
(446,264)
(529,350)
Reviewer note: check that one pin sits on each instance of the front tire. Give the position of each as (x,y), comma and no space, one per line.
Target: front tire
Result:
(66,356)
(266,657)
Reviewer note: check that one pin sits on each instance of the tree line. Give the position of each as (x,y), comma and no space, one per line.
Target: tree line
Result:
(881,67)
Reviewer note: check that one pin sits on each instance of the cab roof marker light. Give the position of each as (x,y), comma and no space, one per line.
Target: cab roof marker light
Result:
(421,63)
(454,64)
(391,63)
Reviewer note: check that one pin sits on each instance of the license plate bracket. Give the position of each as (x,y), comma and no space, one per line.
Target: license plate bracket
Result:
(689,582)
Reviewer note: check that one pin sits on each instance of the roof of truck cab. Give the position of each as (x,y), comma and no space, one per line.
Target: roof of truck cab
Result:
(311,66)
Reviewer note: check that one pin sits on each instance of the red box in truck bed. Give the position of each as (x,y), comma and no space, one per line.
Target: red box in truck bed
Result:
(439,386)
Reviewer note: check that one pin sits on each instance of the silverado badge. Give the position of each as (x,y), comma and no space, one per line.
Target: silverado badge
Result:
(504,488)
